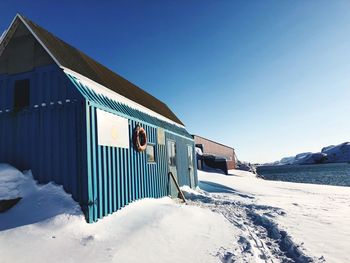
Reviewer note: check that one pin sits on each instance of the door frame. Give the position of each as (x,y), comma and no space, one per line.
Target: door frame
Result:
(190,168)
(171,167)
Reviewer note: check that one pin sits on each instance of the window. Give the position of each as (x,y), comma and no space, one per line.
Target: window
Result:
(190,155)
(150,153)
(21,94)
(171,153)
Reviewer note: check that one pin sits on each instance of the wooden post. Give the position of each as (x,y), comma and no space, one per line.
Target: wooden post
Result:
(178,187)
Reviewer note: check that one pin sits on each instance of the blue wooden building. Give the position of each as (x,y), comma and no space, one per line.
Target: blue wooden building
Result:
(75,122)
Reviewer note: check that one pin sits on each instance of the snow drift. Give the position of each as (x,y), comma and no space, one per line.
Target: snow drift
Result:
(48,225)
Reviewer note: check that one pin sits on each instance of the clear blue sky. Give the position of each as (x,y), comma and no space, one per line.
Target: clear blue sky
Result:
(270,78)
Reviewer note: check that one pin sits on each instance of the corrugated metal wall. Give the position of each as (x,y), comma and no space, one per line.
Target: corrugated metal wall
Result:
(45,137)
(119,176)
(56,137)
(47,85)
(46,140)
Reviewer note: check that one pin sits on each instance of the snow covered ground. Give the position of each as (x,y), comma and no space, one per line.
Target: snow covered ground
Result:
(48,226)
(316,218)
(236,218)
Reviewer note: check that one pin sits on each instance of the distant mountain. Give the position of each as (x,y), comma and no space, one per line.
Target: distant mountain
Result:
(338,153)
(331,154)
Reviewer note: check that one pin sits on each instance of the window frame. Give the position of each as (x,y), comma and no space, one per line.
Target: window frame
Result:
(154,153)
(190,163)
(175,156)
(19,86)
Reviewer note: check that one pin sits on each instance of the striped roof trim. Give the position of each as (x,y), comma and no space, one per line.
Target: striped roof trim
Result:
(124,110)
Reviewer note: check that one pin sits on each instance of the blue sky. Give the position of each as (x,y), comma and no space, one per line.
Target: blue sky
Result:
(270,78)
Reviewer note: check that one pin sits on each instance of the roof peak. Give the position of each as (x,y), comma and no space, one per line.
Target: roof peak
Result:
(67,56)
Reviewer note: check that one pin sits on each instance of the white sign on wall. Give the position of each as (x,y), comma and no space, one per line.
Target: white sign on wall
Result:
(112,130)
(160,136)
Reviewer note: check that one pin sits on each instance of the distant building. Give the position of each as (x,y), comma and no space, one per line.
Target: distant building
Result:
(215,155)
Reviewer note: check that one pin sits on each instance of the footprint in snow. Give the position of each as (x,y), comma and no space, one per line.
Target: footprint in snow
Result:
(246,246)
(86,240)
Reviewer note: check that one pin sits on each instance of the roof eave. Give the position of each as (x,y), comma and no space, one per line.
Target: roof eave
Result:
(122,98)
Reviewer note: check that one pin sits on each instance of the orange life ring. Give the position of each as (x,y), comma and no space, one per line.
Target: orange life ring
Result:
(140,138)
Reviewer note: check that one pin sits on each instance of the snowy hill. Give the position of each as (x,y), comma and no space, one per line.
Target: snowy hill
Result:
(330,154)
(338,153)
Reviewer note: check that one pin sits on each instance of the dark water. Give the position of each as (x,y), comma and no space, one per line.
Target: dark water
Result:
(331,174)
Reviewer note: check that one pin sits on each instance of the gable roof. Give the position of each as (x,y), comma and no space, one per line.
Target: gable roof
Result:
(67,56)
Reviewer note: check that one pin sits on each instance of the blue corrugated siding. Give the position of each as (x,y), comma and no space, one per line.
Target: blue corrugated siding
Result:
(56,137)
(46,140)
(45,137)
(120,176)
(48,85)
